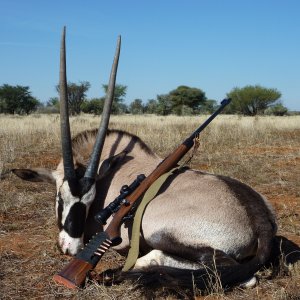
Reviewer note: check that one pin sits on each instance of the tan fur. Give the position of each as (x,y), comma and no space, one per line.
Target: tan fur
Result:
(212,211)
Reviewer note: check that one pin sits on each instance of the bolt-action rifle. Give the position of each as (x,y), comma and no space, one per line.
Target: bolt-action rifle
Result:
(75,272)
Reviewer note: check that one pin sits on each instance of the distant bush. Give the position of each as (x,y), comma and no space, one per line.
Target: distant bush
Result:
(276,110)
(47,110)
(17,100)
(251,100)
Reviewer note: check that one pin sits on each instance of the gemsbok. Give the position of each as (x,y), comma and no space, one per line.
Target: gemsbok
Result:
(197,221)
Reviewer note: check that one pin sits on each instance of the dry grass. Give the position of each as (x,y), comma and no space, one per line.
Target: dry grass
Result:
(263,152)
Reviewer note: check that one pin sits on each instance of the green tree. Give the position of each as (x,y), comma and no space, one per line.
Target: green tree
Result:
(28,105)
(122,108)
(93,106)
(119,96)
(17,100)
(52,105)
(136,107)
(76,95)
(53,102)
(209,106)
(276,110)
(251,100)
(164,105)
(151,106)
(186,100)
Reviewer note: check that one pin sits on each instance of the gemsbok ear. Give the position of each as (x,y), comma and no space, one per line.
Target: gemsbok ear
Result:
(35,175)
(109,163)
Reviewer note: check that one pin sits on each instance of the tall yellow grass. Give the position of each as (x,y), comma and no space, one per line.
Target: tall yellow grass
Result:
(22,134)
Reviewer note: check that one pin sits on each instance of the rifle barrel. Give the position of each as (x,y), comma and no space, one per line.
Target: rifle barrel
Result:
(224,103)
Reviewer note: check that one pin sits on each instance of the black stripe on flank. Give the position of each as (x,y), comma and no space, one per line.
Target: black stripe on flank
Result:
(75,221)
(90,135)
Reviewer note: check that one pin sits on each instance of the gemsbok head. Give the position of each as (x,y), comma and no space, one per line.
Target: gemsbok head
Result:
(75,193)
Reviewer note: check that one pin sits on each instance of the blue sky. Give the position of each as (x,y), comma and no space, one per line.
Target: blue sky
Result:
(213,45)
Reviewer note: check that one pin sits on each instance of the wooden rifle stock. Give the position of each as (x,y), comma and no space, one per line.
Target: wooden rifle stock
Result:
(74,274)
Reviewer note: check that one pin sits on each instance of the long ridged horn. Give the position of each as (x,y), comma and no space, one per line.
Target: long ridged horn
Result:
(92,168)
(66,143)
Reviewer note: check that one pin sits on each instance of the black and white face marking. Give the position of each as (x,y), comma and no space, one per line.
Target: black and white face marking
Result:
(71,214)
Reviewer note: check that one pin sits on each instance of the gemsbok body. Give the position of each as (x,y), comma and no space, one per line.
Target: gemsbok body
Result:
(196,220)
